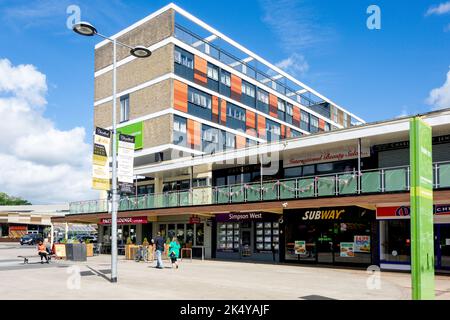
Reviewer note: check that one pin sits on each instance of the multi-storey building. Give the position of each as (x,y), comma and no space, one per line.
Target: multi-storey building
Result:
(242,161)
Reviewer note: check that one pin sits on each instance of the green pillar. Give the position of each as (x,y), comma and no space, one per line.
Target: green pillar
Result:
(422,237)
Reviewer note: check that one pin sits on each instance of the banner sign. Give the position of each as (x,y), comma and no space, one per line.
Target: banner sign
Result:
(194,220)
(131,220)
(404,212)
(100,163)
(350,152)
(136,131)
(125,160)
(300,247)
(422,237)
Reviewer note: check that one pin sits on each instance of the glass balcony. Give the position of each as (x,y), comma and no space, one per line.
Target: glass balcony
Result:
(386,180)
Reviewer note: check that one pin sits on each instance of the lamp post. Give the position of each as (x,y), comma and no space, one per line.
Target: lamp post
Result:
(87,29)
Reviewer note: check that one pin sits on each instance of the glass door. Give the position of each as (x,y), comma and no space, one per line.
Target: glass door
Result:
(246,243)
(325,244)
(443,246)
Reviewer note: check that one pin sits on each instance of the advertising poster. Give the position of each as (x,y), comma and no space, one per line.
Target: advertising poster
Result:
(361,244)
(300,247)
(100,161)
(125,160)
(347,249)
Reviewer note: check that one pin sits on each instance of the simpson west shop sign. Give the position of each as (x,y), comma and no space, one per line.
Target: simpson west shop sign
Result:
(350,152)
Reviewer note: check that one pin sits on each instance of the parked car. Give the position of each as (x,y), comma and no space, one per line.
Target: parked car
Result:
(31,239)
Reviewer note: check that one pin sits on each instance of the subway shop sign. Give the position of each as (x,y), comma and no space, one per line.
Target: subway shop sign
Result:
(347,213)
(135,130)
(323,214)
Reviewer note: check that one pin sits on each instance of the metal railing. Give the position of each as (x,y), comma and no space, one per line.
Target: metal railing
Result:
(393,179)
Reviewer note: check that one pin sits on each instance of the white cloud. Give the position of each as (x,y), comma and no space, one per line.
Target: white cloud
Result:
(440,9)
(295,64)
(439,98)
(38,161)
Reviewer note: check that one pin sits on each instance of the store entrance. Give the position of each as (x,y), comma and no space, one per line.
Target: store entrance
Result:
(442,235)
(246,243)
(325,238)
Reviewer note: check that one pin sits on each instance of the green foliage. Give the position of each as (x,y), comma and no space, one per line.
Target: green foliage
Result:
(63,241)
(87,241)
(6,200)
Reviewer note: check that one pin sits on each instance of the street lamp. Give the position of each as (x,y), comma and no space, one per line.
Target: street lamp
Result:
(86,29)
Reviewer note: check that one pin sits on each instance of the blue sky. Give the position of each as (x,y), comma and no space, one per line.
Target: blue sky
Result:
(376,74)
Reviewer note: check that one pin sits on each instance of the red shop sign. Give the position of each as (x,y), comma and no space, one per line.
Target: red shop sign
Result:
(18,228)
(405,211)
(130,220)
(194,220)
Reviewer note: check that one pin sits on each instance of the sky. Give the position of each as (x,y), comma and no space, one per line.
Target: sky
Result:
(46,71)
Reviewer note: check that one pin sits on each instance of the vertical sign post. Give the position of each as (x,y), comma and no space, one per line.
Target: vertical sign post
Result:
(125,163)
(422,238)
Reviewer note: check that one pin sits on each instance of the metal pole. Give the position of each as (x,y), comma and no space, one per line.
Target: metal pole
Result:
(66,231)
(114,176)
(359,166)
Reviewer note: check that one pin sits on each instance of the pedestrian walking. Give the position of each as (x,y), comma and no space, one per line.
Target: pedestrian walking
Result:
(159,247)
(174,251)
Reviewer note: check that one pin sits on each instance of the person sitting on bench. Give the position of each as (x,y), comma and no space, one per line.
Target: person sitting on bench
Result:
(42,251)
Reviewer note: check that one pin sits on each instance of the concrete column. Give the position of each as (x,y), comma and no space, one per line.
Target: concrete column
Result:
(52,233)
(159,185)
(66,231)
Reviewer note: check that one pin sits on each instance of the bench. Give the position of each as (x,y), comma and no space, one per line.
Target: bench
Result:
(26,258)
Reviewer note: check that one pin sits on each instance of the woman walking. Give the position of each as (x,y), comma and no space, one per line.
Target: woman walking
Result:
(174,251)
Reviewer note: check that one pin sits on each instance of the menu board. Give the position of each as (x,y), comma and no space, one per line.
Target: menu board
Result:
(267,235)
(300,247)
(361,244)
(347,249)
(228,236)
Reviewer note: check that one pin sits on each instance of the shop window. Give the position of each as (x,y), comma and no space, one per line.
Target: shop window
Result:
(267,236)
(395,241)
(199,234)
(228,237)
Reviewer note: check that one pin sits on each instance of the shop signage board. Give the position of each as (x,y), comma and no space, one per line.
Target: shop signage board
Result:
(100,161)
(350,152)
(300,247)
(130,220)
(125,160)
(404,212)
(194,220)
(347,249)
(243,216)
(135,130)
(422,237)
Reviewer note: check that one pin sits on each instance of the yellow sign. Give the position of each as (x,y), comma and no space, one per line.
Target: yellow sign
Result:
(100,160)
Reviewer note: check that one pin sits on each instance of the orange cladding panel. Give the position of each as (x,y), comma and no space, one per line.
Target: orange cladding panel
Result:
(250,119)
(321,124)
(273,105)
(261,127)
(288,132)
(296,116)
(215,109)
(236,87)
(240,141)
(200,70)
(223,112)
(180,96)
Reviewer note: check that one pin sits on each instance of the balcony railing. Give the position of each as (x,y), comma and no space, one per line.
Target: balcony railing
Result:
(395,179)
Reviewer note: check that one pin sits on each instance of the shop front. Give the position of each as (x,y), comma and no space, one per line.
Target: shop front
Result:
(247,236)
(130,228)
(332,235)
(395,237)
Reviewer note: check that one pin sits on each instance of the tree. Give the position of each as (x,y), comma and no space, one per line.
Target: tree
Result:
(6,200)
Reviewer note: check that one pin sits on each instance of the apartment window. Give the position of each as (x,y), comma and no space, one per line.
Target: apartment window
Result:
(210,139)
(179,131)
(314,124)
(184,58)
(295,133)
(304,120)
(213,72)
(248,89)
(273,130)
(289,112)
(335,115)
(199,98)
(124,108)
(281,109)
(229,140)
(327,126)
(235,112)
(263,97)
(225,78)
(345,120)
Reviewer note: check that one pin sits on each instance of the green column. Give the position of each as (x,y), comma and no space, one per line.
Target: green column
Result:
(422,238)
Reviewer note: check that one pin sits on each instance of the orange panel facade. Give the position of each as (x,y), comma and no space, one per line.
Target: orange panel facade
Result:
(283,131)
(223,112)
(200,70)
(321,124)
(288,132)
(273,105)
(241,141)
(250,119)
(261,127)
(296,116)
(215,109)
(194,134)
(180,96)
(236,87)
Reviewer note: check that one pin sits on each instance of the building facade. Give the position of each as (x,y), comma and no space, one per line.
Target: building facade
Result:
(242,161)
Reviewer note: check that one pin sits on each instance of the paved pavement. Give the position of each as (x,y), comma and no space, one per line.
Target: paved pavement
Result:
(193,280)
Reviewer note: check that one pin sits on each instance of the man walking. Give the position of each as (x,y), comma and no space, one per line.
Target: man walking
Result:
(159,246)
